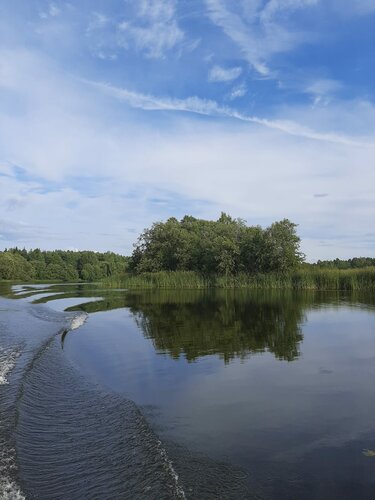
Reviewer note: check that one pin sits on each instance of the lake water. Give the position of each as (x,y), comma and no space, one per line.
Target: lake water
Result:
(227,394)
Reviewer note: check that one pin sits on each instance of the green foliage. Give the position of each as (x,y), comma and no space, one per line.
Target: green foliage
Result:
(161,279)
(306,278)
(197,253)
(355,263)
(223,247)
(14,266)
(59,265)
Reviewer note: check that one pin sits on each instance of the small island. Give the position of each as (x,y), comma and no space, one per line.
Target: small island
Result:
(197,253)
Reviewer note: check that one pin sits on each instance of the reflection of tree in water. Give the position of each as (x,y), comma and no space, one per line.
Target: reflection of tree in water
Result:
(228,324)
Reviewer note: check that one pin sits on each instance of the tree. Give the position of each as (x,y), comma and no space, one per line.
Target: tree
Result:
(7,266)
(281,247)
(226,246)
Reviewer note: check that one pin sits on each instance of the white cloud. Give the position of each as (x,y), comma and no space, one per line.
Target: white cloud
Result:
(150,28)
(17,231)
(219,74)
(322,91)
(110,56)
(66,138)
(157,10)
(323,86)
(52,11)
(273,8)
(155,29)
(258,30)
(209,107)
(98,20)
(5,168)
(237,92)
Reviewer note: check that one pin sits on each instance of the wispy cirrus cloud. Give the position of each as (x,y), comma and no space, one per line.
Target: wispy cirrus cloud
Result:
(237,92)
(219,74)
(52,11)
(259,30)
(262,29)
(323,86)
(210,107)
(98,20)
(154,30)
(148,27)
(322,90)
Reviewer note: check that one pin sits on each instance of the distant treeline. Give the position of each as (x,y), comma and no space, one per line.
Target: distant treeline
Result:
(355,263)
(197,253)
(223,247)
(20,264)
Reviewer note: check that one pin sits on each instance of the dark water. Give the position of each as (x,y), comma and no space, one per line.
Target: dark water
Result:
(186,394)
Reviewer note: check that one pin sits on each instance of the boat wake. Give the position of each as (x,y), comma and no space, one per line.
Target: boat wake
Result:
(9,489)
(23,329)
(8,358)
(78,321)
(179,491)
(98,444)
(40,390)
(62,436)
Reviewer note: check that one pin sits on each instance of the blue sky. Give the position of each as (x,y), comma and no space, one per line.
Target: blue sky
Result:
(115,114)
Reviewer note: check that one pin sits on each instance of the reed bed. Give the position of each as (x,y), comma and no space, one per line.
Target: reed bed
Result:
(301,279)
(162,279)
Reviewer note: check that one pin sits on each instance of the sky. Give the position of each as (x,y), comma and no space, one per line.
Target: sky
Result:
(115,114)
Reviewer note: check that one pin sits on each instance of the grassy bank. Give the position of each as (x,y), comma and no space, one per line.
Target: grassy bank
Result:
(303,279)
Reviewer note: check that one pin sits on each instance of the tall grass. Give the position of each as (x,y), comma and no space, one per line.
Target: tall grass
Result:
(302,279)
(334,279)
(161,279)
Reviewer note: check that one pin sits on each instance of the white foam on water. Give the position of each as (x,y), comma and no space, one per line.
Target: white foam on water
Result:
(9,490)
(78,321)
(8,358)
(170,469)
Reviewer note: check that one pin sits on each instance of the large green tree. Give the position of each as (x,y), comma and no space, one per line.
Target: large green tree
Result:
(226,246)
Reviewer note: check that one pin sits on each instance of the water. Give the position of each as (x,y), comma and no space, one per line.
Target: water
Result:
(186,394)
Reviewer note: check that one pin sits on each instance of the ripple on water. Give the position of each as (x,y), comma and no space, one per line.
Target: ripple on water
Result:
(23,328)
(75,440)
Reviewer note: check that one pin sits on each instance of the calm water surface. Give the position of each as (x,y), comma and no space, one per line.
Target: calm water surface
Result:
(212,394)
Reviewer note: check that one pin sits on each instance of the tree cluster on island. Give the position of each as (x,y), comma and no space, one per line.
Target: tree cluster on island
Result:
(225,247)
(222,247)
